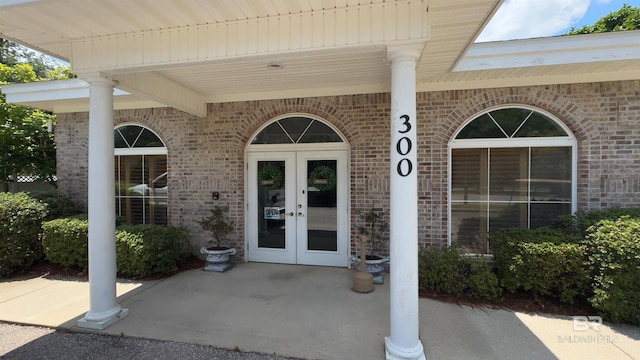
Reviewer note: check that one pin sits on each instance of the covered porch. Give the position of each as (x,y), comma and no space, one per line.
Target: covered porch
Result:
(193,56)
(302,311)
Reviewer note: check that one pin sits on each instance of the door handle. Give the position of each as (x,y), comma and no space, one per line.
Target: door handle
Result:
(300,214)
(290,214)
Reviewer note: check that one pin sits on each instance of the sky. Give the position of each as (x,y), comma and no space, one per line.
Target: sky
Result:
(523,19)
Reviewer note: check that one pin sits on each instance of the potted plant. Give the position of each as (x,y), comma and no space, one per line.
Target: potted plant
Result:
(220,227)
(374,227)
(362,279)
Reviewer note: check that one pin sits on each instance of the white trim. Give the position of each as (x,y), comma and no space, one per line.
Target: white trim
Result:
(255,152)
(333,27)
(510,106)
(143,150)
(340,257)
(528,142)
(296,193)
(344,145)
(159,88)
(560,50)
(140,151)
(70,95)
(503,143)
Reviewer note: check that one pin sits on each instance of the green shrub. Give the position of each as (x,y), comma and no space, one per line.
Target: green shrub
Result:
(120,220)
(544,262)
(58,205)
(143,250)
(20,223)
(443,270)
(579,223)
(65,241)
(613,261)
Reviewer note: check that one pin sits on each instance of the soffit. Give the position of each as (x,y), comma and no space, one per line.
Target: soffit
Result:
(348,65)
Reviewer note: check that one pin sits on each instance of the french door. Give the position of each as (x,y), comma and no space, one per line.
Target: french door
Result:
(297,207)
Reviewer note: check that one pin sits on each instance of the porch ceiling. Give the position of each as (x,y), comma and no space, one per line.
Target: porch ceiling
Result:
(220,50)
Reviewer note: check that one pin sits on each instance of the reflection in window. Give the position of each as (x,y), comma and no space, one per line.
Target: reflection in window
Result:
(271,204)
(513,185)
(141,175)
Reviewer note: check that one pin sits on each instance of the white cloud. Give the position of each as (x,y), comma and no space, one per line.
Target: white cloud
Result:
(523,19)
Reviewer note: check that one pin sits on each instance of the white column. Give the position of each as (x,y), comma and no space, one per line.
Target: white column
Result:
(404,341)
(103,306)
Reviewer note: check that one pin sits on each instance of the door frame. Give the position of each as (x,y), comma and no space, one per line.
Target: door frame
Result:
(319,257)
(295,253)
(267,149)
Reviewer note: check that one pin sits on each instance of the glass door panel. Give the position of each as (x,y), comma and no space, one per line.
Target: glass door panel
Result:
(271,221)
(271,204)
(322,204)
(322,212)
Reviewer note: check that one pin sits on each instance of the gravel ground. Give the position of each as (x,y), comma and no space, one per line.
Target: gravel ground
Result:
(31,342)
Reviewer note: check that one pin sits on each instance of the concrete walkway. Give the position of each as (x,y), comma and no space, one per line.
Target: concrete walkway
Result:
(308,312)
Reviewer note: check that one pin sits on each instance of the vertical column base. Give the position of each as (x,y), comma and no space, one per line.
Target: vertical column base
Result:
(394,353)
(102,324)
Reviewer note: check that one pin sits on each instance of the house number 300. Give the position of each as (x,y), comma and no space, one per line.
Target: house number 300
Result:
(403,147)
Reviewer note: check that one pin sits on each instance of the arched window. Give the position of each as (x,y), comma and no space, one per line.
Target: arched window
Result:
(509,167)
(141,175)
(296,130)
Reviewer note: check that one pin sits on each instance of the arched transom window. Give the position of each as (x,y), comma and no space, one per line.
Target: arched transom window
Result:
(510,167)
(296,130)
(141,175)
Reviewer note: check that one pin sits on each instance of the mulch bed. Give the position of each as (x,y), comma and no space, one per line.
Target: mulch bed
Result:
(519,301)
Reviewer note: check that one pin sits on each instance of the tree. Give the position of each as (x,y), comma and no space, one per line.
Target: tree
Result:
(627,18)
(12,54)
(26,145)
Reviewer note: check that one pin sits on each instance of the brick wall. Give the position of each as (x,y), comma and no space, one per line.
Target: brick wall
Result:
(207,154)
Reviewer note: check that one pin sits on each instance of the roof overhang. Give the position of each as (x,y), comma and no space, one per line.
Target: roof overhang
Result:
(187,53)
(544,61)
(63,96)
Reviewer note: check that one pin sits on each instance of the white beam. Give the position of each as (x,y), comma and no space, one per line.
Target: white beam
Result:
(481,81)
(70,95)
(561,50)
(158,88)
(378,23)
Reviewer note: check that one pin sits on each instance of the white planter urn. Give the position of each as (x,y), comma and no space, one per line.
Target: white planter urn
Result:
(218,259)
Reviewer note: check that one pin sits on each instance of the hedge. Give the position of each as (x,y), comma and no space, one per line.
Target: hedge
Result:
(444,270)
(613,261)
(20,221)
(579,223)
(141,250)
(65,241)
(58,205)
(543,262)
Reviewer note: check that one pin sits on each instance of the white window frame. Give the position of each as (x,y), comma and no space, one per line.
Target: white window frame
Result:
(528,142)
(141,151)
